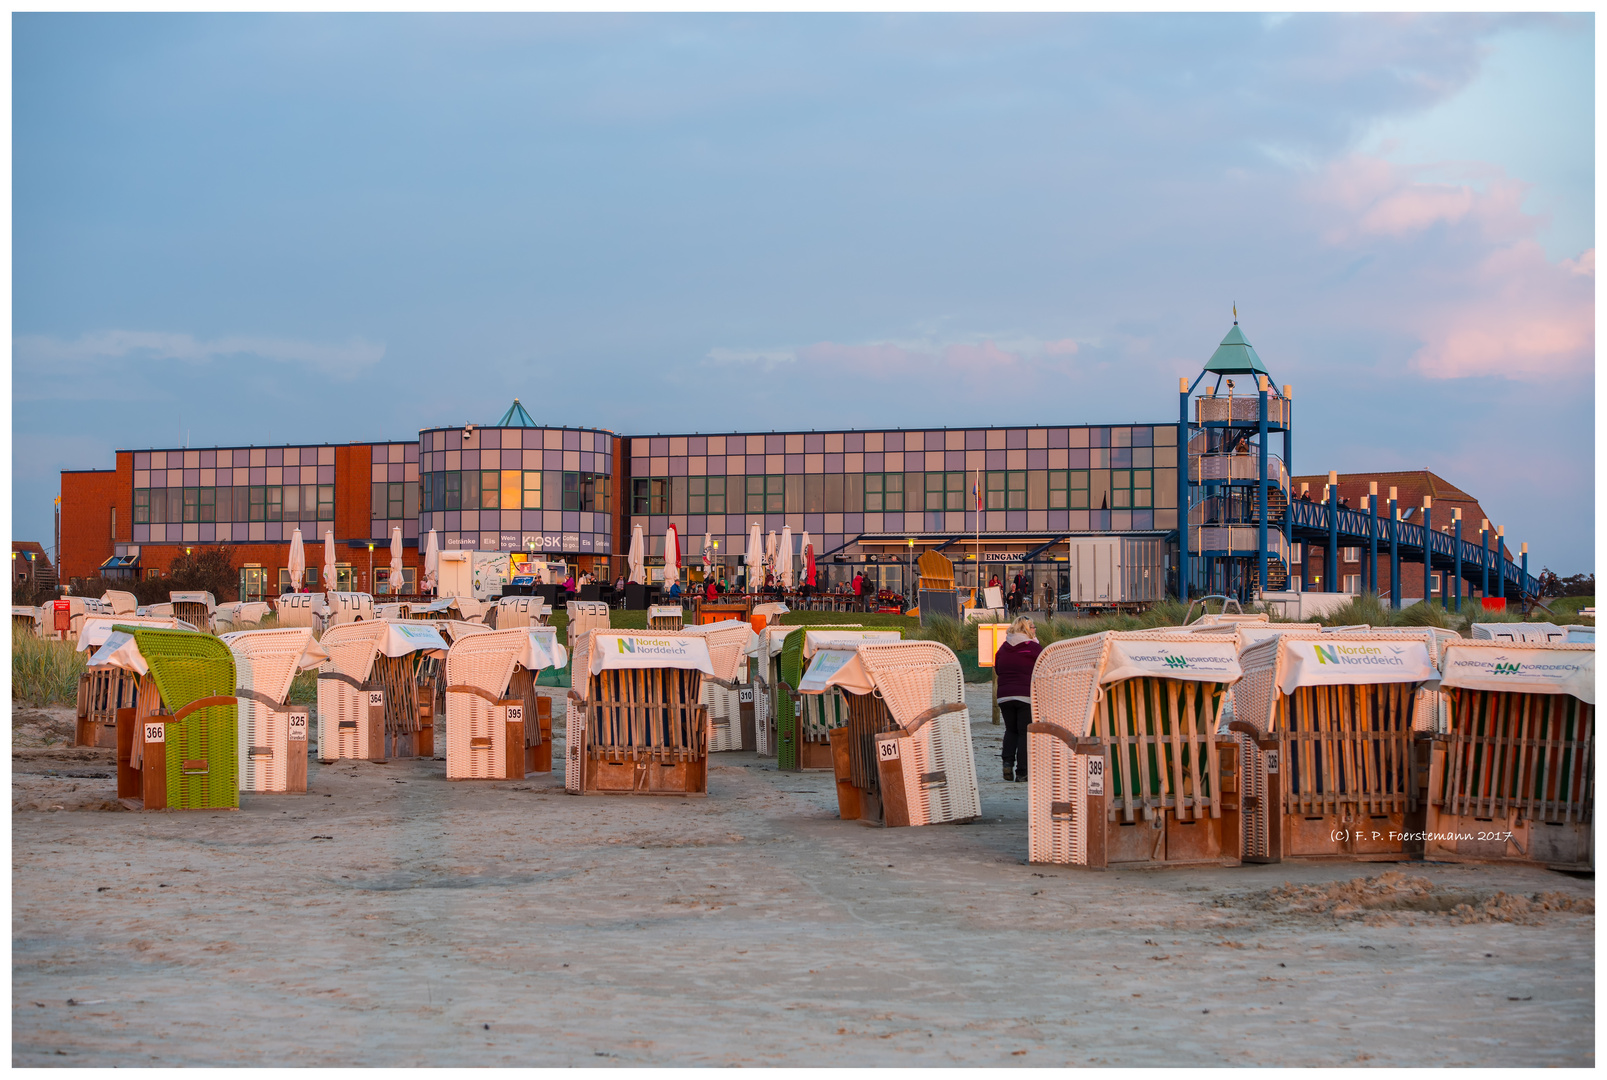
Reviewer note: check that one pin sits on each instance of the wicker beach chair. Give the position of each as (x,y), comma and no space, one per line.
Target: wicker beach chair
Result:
(665,617)
(497,726)
(196,608)
(123,603)
(302,609)
(1126,760)
(584,617)
(904,755)
(348,607)
(816,715)
(728,642)
(635,723)
(370,704)
(513,612)
(272,747)
(176,744)
(1511,779)
(239,615)
(1329,764)
(104,690)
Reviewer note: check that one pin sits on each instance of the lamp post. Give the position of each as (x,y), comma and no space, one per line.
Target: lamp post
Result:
(1523,577)
(1484,557)
(909,582)
(1456,515)
(1500,560)
(1428,548)
(371,567)
(1372,537)
(1394,552)
(1333,531)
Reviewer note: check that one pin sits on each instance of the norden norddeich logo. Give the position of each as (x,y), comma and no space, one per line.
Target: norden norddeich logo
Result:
(1357,656)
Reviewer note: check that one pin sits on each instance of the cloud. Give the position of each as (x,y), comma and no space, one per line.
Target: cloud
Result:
(342,361)
(1484,299)
(889,359)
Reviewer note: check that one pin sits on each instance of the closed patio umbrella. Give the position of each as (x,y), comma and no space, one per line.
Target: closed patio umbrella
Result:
(396,561)
(298,561)
(672,556)
(770,552)
(754,557)
(637,559)
(808,560)
(708,553)
(432,562)
(329,562)
(784,558)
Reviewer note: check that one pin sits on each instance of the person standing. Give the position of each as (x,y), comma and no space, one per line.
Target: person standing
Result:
(1013,665)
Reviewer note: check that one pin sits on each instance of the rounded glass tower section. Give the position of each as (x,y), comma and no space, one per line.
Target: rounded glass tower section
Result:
(536,489)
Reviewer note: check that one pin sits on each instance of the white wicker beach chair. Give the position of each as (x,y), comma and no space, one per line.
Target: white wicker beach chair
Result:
(1512,777)
(904,755)
(369,702)
(272,733)
(513,612)
(635,724)
(348,607)
(196,608)
(1126,762)
(497,726)
(123,603)
(1325,728)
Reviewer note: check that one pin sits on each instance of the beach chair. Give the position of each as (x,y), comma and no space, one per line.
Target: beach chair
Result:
(240,615)
(343,608)
(369,702)
(730,726)
(665,617)
(272,733)
(1126,760)
(176,744)
(104,690)
(302,609)
(904,754)
(764,615)
(123,603)
(635,724)
(513,612)
(79,608)
(1325,727)
(1511,779)
(29,620)
(196,608)
(497,726)
(584,617)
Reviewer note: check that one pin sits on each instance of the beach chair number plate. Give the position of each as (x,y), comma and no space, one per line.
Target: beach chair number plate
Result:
(745,695)
(298,727)
(1096,775)
(155,733)
(516,714)
(1272,761)
(887,750)
(376,699)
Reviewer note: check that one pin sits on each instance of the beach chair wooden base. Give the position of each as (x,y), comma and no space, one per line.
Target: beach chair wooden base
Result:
(646,777)
(538,757)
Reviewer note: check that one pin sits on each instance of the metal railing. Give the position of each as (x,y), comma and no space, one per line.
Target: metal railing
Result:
(1236,540)
(1204,468)
(1240,410)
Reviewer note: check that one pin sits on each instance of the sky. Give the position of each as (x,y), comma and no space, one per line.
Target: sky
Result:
(306,228)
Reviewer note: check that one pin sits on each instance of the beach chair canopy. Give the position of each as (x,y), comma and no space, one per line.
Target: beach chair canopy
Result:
(205,598)
(610,650)
(730,642)
(1501,667)
(100,627)
(312,653)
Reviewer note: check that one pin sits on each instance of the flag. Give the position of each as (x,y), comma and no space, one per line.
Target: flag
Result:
(976,493)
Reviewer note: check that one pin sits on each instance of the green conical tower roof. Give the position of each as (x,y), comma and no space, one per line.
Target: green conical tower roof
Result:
(515,417)
(1235,356)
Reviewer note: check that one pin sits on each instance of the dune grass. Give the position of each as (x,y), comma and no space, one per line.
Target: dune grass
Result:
(44,672)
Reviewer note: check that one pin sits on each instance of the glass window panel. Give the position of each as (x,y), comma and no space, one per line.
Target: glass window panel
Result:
(275,503)
(814,495)
(490,489)
(1037,490)
(755,500)
(142,506)
(873,493)
(326,502)
(532,490)
(552,490)
(259,498)
(893,492)
(513,489)
(677,494)
(834,493)
(853,493)
(410,501)
(995,482)
(192,504)
(376,501)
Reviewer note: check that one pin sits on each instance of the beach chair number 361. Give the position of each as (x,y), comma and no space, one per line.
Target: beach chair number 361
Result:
(887,750)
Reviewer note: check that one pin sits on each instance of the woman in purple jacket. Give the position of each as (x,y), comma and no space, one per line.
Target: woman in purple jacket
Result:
(1012,666)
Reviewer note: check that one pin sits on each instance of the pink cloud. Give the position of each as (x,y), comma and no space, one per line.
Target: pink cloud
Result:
(1486,301)
(1063,347)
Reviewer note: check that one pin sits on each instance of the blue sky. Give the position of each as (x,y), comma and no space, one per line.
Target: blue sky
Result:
(269,229)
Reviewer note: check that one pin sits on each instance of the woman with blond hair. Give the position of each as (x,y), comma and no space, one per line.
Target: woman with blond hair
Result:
(1012,666)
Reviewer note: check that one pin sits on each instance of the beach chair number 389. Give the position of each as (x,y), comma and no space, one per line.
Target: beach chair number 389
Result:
(1096,775)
